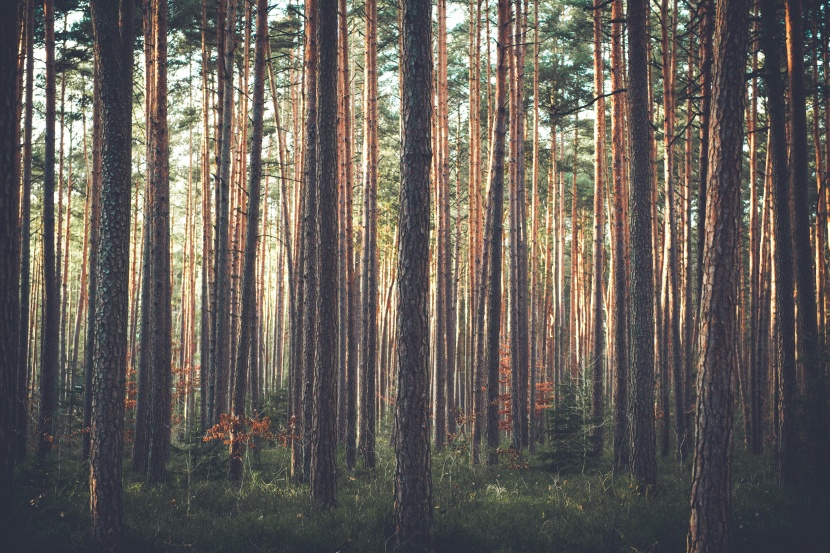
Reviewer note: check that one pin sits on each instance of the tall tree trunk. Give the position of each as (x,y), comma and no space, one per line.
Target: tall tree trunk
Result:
(535,251)
(51,316)
(21,411)
(598,352)
(10,325)
(112,25)
(518,240)
(222,361)
(245,353)
(158,422)
(788,440)
(369,267)
(94,244)
(324,437)
(810,343)
(207,234)
(706,13)
(643,459)
(310,238)
(620,221)
(712,470)
(413,479)
(441,163)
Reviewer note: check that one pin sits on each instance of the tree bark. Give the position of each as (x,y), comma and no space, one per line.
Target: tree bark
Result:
(112,25)
(413,481)
(50,338)
(369,268)
(246,354)
(324,437)
(597,301)
(643,459)
(788,439)
(221,362)
(21,414)
(10,325)
(620,221)
(810,342)
(158,422)
(709,524)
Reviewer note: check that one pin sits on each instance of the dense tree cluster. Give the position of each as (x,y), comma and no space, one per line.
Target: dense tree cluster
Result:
(316,222)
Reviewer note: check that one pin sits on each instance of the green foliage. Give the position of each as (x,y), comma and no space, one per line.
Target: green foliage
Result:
(476,508)
(570,443)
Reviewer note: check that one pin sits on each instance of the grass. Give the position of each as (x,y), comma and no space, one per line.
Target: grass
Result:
(476,508)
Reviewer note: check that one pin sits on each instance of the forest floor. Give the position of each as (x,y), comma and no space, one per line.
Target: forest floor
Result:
(528,507)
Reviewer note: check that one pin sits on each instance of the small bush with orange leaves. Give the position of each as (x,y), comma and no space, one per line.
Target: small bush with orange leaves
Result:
(252,432)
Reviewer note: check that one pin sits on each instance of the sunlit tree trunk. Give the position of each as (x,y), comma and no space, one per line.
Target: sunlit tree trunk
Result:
(712,469)
(620,226)
(598,349)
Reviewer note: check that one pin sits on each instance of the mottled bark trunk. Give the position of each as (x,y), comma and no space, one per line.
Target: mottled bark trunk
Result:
(112,25)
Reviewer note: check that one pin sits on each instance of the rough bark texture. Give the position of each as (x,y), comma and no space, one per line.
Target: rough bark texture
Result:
(706,13)
(9,269)
(712,469)
(94,242)
(324,437)
(413,478)
(112,24)
(643,459)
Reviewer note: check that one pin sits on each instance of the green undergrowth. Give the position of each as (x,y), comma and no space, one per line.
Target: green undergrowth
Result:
(529,508)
